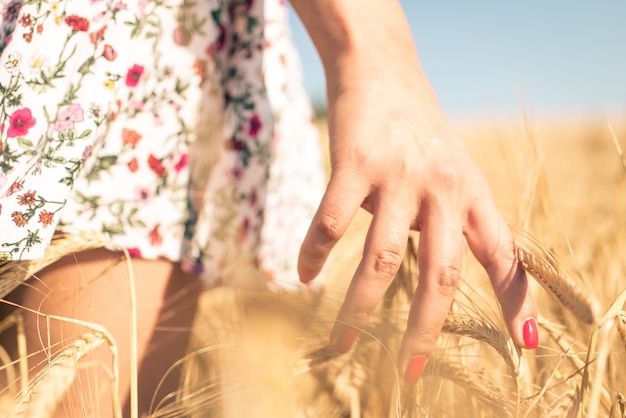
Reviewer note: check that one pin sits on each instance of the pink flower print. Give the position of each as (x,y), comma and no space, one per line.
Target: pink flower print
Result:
(12,10)
(20,122)
(181,36)
(86,152)
(133,75)
(143,194)
(141,5)
(137,104)
(109,53)
(68,117)
(134,252)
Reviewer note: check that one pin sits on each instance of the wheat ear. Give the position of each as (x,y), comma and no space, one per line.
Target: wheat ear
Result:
(543,266)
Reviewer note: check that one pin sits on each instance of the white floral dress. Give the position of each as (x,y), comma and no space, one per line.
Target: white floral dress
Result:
(178,127)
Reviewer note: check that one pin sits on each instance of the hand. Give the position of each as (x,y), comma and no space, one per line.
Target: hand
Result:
(393,153)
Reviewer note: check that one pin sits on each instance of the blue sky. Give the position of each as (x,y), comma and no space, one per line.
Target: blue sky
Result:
(482,57)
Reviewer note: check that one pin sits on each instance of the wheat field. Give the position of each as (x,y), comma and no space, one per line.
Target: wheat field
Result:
(561,184)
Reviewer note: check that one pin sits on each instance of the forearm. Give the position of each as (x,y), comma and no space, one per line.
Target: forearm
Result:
(367,45)
(360,39)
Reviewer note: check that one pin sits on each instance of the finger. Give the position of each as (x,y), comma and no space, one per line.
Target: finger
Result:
(384,249)
(340,203)
(440,258)
(491,241)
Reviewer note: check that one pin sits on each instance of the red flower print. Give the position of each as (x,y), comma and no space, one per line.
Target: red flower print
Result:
(19,218)
(130,137)
(182,163)
(244,228)
(26,20)
(200,67)
(235,144)
(28,37)
(109,53)
(20,122)
(133,165)
(255,125)
(221,40)
(79,24)
(133,75)
(155,236)
(27,199)
(39,28)
(156,166)
(15,187)
(68,116)
(97,36)
(46,218)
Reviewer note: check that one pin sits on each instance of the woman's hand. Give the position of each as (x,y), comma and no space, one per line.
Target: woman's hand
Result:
(394,154)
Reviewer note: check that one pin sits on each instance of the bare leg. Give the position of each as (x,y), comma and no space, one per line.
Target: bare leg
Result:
(93,286)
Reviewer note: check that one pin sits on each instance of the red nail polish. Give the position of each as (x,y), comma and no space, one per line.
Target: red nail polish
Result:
(345,341)
(531,336)
(415,368)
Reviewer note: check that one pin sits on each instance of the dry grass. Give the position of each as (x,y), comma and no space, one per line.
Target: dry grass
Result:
(563,184)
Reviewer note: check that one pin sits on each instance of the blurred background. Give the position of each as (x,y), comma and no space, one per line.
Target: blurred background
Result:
(561,58)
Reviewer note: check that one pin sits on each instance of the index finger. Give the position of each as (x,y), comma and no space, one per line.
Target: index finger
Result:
(337,208)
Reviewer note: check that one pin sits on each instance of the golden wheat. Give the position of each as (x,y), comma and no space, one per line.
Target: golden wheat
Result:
(544,267)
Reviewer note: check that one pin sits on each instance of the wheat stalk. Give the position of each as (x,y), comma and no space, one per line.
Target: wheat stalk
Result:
(544,267)
(621,326)
(42,395)
(481,330)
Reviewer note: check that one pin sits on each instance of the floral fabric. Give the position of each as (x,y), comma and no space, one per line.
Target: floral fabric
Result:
(178,127)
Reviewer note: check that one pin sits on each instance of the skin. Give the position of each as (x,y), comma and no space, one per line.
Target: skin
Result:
(394,154)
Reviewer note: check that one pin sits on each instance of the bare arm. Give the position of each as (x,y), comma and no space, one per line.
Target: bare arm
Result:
(394,154)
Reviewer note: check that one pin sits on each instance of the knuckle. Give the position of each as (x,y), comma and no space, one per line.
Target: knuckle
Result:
(447,281)
(387,263)
(426,339)
(504,264)
(329,227)
(505,254)
(447,176)
(356,316)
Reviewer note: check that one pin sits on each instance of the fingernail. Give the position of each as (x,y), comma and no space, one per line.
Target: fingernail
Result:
(531,336)
(345,340)
(415,368)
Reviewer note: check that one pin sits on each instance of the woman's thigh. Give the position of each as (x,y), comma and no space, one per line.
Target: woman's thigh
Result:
(94,287)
